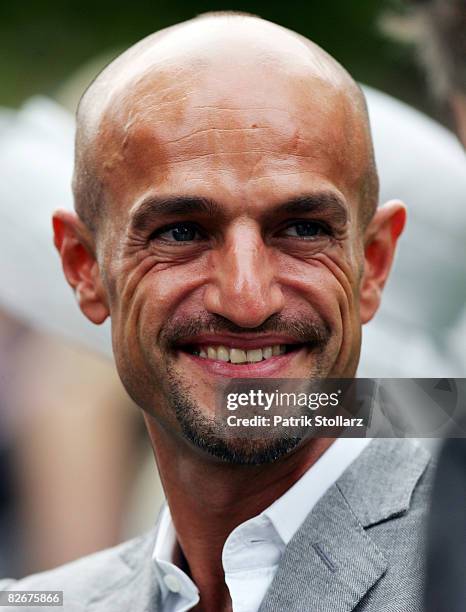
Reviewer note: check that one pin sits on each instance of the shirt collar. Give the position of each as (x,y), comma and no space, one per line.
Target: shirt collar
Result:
(277,523)
(175,584)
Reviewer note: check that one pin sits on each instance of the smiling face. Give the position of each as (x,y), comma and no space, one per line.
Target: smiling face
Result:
(231,243)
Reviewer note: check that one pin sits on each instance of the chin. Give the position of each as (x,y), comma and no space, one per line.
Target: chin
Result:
(242,451)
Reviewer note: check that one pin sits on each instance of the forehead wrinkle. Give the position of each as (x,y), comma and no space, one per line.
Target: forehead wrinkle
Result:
(259,132)
(256,158)
(187,49)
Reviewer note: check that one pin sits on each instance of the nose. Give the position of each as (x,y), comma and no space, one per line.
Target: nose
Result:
(243,287)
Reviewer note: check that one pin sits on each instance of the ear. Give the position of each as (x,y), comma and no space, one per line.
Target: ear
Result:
(380,241)
(74,242)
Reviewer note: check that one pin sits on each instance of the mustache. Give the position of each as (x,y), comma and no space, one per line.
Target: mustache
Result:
(304,329)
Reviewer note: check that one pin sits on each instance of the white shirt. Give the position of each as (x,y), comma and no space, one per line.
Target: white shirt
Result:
(252,551)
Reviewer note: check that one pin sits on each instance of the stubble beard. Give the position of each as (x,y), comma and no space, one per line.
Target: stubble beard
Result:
(210,433)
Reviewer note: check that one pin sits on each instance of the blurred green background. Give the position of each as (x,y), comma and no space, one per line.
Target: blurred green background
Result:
(44,43)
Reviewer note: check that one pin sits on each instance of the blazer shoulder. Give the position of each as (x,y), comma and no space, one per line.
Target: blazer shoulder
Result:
(86,577)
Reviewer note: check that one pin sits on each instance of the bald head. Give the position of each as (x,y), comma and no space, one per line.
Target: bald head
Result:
(224,64)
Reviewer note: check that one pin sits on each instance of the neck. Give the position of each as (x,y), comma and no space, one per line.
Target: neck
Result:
(208,498)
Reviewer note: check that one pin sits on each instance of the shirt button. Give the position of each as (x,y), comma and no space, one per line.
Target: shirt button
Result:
(172,582)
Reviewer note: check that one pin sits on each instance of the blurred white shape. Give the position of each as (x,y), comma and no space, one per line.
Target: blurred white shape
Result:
(36,160)
(457,342)
(6,117)
(423,164)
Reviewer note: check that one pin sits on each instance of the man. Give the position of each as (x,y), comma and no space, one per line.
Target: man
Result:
(226,198)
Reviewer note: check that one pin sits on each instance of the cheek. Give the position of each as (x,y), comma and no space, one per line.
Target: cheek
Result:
(327,283)
(340,297)
(145,302)
(153,295)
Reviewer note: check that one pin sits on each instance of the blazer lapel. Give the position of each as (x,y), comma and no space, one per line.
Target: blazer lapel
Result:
(331,562)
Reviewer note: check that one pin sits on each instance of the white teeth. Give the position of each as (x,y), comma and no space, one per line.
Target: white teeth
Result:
(237,355)
(267,352)
(254,356)
(223,353)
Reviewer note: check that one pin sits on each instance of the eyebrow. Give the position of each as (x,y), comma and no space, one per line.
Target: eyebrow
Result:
(325,203)
(153,207)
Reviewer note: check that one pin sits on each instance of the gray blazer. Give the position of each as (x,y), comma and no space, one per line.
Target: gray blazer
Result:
(361,548)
